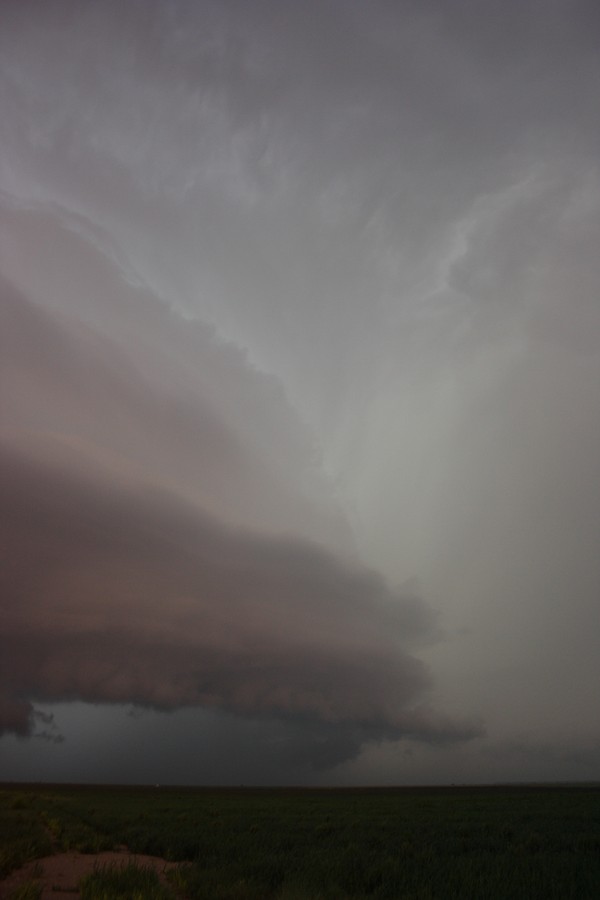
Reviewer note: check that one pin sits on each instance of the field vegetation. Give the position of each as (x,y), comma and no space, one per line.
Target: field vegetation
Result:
(128,882)
(267,844)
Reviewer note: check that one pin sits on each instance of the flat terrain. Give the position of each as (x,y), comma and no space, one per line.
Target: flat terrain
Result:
(283,844)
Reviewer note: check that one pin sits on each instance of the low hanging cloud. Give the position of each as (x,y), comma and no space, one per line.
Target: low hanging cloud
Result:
(127,595)
(130,578)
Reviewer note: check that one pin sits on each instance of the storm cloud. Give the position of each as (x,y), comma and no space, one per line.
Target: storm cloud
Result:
(299,303)
(128,596)
(120,586)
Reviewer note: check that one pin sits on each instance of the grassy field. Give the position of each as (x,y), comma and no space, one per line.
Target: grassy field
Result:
(251,844)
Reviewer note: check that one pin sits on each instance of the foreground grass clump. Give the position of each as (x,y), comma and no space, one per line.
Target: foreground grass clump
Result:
(22,834)
(31,890)
(118,882)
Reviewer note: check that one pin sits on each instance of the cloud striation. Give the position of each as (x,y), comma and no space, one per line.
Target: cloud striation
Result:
(123,585)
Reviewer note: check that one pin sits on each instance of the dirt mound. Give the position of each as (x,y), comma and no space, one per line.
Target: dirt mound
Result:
(62,872)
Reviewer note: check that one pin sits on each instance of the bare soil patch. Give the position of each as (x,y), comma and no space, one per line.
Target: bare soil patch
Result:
(62,872)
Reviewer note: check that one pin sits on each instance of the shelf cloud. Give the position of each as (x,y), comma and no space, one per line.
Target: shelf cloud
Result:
(121,587)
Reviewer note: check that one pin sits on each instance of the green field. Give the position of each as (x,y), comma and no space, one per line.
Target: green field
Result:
(257,844)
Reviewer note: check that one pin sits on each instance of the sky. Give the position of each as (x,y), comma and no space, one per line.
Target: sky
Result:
(299,391)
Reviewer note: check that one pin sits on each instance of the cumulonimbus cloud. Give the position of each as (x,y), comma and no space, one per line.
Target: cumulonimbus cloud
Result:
(114,595)
(117,587)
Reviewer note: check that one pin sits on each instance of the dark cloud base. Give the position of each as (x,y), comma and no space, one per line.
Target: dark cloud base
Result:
(119,589)
(133,597)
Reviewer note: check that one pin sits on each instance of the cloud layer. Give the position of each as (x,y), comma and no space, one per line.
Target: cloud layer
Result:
(124,587)
(319,280)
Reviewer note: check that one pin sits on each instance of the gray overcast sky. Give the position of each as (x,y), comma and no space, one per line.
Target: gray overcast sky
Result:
(299,390)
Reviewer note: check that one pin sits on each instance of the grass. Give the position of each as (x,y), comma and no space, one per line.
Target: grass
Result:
(370,844)
(123,882)
(30,890)
(22,834)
